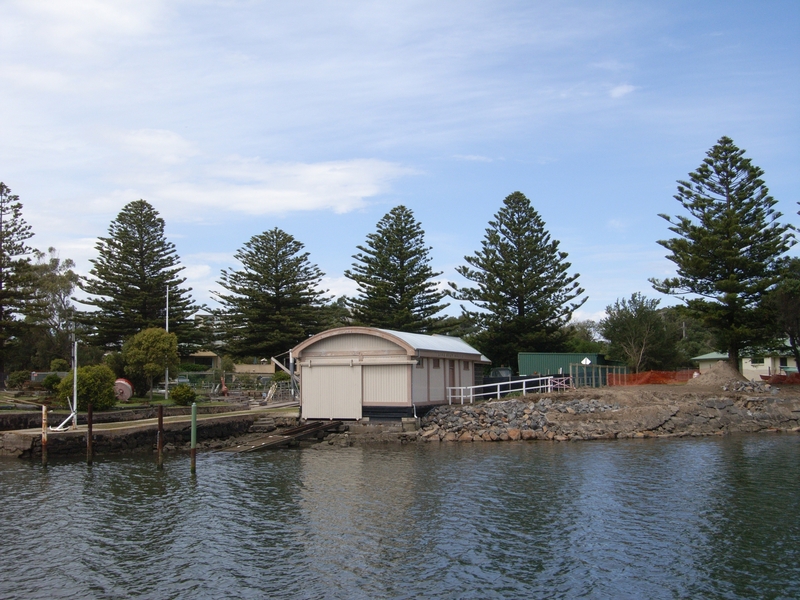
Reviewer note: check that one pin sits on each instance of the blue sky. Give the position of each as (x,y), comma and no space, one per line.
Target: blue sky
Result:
(232,118)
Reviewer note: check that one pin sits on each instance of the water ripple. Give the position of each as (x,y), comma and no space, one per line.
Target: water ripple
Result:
(713,518)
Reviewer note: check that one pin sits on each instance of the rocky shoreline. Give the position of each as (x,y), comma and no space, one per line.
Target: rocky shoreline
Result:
(599,416)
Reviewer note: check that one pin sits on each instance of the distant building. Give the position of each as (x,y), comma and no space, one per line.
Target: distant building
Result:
(557,363)
(751,367)
(210,360)
(355,372)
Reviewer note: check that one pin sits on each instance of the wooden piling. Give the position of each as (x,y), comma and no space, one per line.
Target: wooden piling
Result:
(160,437)
(44,436)
(194,437)
(89,449)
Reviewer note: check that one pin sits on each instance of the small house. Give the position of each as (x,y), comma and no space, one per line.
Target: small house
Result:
(356,372)
(751,367)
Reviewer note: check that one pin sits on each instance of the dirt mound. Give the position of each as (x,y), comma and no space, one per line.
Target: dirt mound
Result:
(718,375)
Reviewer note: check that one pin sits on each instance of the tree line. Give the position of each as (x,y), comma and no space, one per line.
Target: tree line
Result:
(739,290)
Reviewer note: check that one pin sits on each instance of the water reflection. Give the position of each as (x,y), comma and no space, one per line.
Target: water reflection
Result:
(652,518)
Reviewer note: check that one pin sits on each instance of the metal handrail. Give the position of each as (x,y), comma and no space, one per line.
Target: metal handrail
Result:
(495,390)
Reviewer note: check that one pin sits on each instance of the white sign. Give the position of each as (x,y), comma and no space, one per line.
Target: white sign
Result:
(586,361)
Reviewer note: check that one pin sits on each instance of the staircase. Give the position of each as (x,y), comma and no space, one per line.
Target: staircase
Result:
(263,425)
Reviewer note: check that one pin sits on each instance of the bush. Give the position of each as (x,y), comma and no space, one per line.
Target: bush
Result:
(192,368)
(50,383)
(280,376)
(95,385)
(59,364)
(18,378)
(183,395)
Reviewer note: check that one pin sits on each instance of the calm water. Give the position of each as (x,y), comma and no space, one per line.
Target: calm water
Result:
(706,518)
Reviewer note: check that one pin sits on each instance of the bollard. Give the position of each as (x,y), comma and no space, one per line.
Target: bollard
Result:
(44,436)
(194,437)
(89,449)
(160,437)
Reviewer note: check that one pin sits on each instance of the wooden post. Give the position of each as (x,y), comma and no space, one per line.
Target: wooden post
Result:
(194,437)
(44,436)
(89,449)
(160,437)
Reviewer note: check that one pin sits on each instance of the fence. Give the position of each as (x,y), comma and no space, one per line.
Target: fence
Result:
(500,389)
(652,377)
(209,380)
(594,375)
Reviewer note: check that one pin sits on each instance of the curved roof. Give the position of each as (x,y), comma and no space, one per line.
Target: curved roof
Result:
(412,342)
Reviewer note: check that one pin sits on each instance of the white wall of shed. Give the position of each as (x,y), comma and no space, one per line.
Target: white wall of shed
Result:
(331,392)
(385,384)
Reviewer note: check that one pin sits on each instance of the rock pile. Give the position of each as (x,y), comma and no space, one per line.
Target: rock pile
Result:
(756,387)
(563,418)
(504,420)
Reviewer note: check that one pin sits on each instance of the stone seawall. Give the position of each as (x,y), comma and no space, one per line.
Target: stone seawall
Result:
(128,438)
(600,417)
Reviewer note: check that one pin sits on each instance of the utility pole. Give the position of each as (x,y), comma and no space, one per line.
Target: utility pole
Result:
(166,372)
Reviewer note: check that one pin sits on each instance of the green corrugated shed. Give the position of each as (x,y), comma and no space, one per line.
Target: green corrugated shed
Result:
(549,363)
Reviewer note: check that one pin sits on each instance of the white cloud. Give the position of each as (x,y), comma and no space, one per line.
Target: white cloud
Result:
(29,76)
(582,315)
(617,224)
(159,144)
(621,90)
(473,158)
(194,272)
(340,286)
(611,65)
(76,26)
(254,187)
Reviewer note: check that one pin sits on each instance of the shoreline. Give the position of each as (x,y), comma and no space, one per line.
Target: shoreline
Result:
(577,415)
(621,413)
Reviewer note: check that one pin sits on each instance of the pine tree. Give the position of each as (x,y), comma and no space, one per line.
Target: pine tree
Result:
(727,249)
(783,306)
(394,277)
(275,300)
(522,286)
(129,280)
(16,272)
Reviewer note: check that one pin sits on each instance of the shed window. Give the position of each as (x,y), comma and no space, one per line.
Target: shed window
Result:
(466,365)
(435,363)
(420,363)
(784,362)
(757,360)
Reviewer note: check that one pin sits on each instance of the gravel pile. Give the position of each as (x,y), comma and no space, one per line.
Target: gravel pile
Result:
(719,375)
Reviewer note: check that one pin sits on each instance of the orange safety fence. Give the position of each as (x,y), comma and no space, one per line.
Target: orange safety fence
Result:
(651,377)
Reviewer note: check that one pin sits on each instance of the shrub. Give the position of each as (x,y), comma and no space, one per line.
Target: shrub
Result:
(95,385)
(280,376)
(192,368)
(18,378)
(59,364)
(50,383)
(183,395)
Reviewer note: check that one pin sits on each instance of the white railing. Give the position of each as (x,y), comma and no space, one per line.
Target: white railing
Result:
(497,390)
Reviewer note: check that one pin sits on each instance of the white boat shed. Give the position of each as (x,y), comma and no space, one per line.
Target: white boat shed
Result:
(353,372)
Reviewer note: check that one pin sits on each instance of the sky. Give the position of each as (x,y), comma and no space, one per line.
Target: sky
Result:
(235,117)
